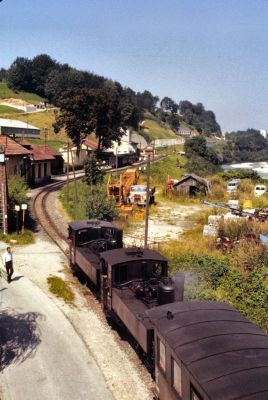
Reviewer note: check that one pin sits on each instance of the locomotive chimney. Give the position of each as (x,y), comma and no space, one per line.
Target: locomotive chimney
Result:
(178,278)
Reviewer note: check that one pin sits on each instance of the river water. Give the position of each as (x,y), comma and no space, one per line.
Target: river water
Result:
(260,167)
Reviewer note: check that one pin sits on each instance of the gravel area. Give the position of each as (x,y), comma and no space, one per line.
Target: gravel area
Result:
(167,222)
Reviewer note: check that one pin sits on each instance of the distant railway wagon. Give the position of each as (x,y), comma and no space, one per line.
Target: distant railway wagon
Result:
(200,350)
(119,160)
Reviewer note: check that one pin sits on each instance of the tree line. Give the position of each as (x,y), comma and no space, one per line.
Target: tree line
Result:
(243,146)
(50,79)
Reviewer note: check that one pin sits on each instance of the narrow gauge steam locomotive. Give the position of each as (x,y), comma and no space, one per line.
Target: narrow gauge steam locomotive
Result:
(201,350)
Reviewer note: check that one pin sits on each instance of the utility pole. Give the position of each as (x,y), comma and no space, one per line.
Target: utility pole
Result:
(68,178)
(149,151)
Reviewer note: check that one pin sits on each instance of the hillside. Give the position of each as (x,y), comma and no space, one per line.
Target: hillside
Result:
(153,128)
(6,93)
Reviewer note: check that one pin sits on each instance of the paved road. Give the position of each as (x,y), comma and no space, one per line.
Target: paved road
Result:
(41,355)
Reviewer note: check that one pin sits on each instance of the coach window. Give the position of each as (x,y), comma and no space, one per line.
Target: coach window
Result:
(176,377)
(161,355)
(195,395)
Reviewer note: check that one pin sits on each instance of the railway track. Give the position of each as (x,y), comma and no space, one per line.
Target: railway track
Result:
(41,213)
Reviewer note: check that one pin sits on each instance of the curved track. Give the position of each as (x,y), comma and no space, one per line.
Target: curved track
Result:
(41,213)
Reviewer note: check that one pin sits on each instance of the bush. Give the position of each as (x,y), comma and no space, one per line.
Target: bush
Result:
(99,206)
(209,269)
(240,228)
(228,175)
(17,194)
(218,189)
(248,294)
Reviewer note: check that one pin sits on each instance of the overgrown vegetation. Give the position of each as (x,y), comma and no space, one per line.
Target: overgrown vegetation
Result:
(243,146)
(238,277)
(92,202)
(201,159)
(60,288)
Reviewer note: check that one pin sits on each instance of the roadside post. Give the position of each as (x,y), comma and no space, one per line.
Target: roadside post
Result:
(17,209)
(24,208)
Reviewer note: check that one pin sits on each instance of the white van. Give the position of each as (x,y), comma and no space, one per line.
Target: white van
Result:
(233,185)
(259,190)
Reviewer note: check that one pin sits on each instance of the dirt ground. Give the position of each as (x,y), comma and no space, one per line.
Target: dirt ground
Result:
(167,221)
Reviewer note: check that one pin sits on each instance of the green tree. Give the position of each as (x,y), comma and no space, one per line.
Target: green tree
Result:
(41,66)
(19,76)
(106,118)
(17,194)
(146,101)
(204,121)
(167,104)
(99,206)
(201,159)
(3,73)
(93,174)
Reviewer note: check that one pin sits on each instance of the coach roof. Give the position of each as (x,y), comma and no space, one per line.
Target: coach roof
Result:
(120,256)
(91,223)
(224,352)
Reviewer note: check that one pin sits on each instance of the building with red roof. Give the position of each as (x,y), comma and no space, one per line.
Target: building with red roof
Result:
(44,162)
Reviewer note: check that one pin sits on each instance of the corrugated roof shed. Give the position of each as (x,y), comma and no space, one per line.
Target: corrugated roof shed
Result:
(14,123)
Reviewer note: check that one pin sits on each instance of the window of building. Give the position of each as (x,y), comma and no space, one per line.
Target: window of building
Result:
(45,170)
(176,377)
(161,355)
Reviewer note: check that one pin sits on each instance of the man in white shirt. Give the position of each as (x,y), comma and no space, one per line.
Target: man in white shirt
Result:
(8,263)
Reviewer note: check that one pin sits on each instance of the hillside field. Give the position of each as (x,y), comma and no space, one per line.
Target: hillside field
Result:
(6,93)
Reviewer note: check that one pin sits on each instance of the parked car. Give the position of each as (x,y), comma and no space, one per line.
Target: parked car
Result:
(233,185)
(259,190)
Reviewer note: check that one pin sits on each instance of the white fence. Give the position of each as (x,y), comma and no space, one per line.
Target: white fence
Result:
(168,142)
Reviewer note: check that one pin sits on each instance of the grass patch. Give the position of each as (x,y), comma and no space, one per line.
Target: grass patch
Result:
(42,120)
(9,110)
(60,289)
(6,93)
(54,144)
(22,239)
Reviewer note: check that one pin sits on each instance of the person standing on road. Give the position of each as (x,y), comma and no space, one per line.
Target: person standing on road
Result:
(8,262)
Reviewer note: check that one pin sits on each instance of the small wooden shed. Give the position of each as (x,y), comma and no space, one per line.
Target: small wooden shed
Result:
(192,185)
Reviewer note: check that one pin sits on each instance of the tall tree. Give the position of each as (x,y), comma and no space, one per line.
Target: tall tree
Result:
(106,117)
(41,66)
(84,111)
(19,76)
(167,104)
(75,113)
(146,101)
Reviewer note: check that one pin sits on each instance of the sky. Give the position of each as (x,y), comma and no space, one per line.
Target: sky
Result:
(209,51)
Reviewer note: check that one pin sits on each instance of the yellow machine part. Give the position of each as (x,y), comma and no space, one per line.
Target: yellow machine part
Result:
(120,188)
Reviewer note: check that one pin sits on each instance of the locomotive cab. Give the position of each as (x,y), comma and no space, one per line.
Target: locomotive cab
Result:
(133,280)
(87,239)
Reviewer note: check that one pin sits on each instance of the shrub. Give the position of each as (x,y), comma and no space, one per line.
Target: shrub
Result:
(248,294)
(99,206)
(239,174)
(239,228)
